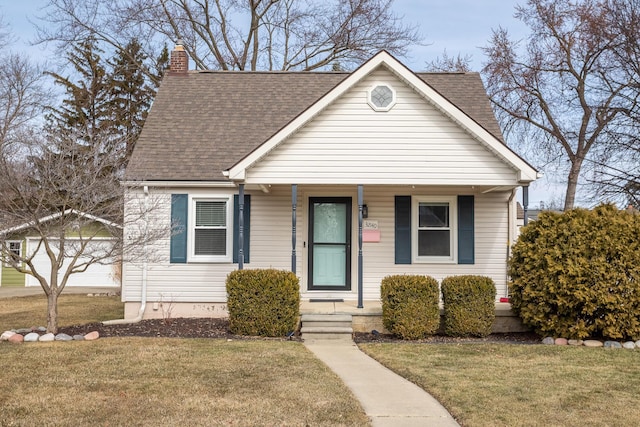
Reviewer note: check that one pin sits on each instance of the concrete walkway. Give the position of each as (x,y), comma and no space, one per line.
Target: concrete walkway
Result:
(387,398)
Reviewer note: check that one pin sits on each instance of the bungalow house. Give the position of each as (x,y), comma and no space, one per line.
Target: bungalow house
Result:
(23,242)
(341,177)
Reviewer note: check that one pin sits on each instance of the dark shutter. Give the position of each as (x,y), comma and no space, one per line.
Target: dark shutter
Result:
(236,226)
(403,229)
(178,247)
(466,232)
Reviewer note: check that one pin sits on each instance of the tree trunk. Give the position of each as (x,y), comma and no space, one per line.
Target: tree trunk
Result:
(572,184)
(52,312)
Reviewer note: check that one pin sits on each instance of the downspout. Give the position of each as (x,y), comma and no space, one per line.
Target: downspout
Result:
(510,236)
(143,302)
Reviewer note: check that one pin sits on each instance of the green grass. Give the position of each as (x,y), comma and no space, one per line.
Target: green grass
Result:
(522,385)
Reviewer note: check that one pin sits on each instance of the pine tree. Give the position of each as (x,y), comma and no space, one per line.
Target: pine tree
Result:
(86,110)
(131,93)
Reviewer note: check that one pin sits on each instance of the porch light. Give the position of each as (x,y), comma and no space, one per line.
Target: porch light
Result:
(365,211)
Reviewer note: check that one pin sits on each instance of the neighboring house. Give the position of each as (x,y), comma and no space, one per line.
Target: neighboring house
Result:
(22,241)
(343,178)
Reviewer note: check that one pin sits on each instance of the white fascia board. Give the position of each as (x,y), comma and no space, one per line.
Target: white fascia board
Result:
(180,184)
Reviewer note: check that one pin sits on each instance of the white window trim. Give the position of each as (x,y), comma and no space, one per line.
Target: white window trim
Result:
(373,105)
(8,243)
(453,226)
(191,238)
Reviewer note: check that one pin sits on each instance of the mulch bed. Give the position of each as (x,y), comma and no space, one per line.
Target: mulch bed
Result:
(219,328)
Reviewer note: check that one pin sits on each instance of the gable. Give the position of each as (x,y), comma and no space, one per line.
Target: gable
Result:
(525,172)
(413,143)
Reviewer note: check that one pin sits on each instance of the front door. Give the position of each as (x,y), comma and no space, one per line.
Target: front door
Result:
(330,243)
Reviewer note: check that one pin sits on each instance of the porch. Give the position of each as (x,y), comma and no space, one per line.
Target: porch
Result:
(370,317)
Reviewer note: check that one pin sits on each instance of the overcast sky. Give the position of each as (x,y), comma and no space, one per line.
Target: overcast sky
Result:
(459,26)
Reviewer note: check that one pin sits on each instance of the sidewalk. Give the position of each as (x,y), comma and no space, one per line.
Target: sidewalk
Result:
(387,398)
(10,292)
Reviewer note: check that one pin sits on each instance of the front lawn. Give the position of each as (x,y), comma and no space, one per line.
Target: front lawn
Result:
(522,385)
(160,381)
(170,382)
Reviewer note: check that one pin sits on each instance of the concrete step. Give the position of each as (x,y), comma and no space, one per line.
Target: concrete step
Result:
(326,326)
(326,317)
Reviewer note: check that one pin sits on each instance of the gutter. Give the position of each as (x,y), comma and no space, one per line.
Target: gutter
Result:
(143,302)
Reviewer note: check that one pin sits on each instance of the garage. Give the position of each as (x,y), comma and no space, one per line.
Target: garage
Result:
(95,275)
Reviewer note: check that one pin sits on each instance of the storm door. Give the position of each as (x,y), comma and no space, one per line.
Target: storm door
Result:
(330,243)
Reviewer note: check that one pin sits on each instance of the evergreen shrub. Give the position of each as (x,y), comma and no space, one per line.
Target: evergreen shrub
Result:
(577,274)
(263,302)
(410,306)
(469,305)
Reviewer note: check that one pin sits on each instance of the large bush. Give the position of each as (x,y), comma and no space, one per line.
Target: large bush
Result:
(410,306)
(469,305)
(577,274)
(263,302)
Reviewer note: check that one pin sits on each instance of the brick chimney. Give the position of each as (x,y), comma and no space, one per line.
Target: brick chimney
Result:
(179,59)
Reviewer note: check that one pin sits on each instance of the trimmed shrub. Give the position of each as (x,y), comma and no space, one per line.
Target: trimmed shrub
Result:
(469,305)
(410,306)
(264,302)
(577,274)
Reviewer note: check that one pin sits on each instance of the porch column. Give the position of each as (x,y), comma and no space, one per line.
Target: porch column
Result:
(294,206)
(525,202)
(360,203)
(240,226)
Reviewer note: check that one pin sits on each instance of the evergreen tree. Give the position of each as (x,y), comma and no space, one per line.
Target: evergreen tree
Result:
(131,94)
(87,109)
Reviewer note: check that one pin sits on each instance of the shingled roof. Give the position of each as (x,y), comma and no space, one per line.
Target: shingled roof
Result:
(203,122)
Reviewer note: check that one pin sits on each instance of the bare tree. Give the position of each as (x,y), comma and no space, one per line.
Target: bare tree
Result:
(568,92)
(66,197)
(21,91)
(238,34)
(450,64)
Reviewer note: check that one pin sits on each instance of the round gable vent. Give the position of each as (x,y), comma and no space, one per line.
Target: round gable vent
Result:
(381,97)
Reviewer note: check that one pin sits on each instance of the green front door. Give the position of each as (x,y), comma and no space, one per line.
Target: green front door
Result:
(330,243)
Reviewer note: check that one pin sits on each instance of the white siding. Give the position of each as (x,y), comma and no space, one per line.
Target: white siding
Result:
(413,143)
(270,245)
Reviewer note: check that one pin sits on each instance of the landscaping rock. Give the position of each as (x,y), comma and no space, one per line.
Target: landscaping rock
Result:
(612,344)
(31,337)
(23,331)
(78,337)
(91,336)
(40,329)
(549,341)
(5,335)
(637,344)
(63,337)
(47,337)
(575,342)
(16,338)
(629,345)
(592,343)
(561,341)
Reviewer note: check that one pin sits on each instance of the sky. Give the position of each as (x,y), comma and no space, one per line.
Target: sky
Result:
(457,26)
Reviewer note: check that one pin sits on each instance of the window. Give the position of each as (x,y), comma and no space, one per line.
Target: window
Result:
(14,248)
(434,231)
(211,232)
(381,97)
